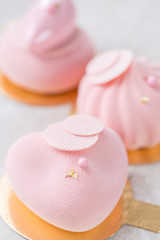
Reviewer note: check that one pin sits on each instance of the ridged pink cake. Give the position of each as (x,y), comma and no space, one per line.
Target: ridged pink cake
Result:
(72,175)
(124,93)
(44,51)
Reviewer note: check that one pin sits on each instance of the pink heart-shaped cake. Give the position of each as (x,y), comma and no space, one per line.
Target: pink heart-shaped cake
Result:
(72,175)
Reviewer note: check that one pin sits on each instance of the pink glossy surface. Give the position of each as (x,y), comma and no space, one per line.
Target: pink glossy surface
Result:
(118,104)
(44,74)
(83,125)
(44,51)
(46,26)
(37,174)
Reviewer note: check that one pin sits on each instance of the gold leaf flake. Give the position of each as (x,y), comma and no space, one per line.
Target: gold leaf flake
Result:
(145,99)
(72,174)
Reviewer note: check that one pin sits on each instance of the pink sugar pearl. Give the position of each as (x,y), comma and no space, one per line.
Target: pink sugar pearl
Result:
(152,81)
(83,163)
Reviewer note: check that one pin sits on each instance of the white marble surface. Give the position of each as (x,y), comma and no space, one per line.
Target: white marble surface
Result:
(111,24)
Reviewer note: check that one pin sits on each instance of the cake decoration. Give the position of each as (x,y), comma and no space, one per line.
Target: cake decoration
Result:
(77,132)
(131,93)
(108,66)
(83,163)
(72,174)
(145,99)
(46,41)
(152,81)
(75,190)
(56,136)
(83,125)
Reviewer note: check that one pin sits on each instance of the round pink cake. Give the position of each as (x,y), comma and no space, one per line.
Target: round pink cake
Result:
(124,93)
(44,51)
(72,175)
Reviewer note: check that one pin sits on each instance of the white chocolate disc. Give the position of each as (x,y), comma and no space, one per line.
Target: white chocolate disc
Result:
(57,137)
(83,125)
(102,62)
(108,66)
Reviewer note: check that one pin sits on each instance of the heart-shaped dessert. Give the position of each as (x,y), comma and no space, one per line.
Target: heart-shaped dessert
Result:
(72,175)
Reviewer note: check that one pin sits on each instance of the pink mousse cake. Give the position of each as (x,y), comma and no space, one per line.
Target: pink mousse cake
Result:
(72,175)
(44,51)
(124,93)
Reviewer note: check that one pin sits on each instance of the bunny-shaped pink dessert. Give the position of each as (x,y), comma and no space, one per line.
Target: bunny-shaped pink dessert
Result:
(44,51)
(72,175)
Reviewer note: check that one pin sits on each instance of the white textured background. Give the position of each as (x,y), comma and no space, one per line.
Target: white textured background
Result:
(111,24)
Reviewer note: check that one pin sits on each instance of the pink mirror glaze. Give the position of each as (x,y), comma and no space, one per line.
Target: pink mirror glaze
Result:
(73,190)
(130,104)
(44,51)
(47,25)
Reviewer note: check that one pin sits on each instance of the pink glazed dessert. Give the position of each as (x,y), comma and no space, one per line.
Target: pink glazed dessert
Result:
(72,175)
(124,93)
(44,51)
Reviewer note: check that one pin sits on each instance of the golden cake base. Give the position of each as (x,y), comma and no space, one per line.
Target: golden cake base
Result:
(32,98)
(27,224)
(144,156)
